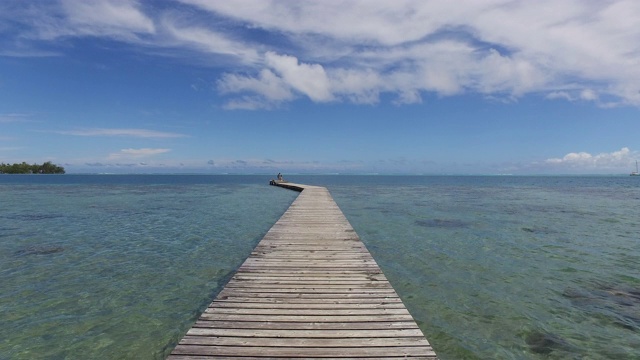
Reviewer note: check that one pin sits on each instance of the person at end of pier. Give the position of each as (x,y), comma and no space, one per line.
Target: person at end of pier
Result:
(279,177)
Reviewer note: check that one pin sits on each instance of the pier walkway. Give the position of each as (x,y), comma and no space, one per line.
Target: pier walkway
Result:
(310,289)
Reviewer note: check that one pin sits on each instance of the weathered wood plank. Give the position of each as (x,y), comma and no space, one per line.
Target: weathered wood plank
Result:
(368,325)
(306,318)
(268,286)
(319,305)
(310,289)
(227,293)
(303,342)
(205,357)
(301,352)
(307,301)
(305,312)
(322,334)
(334,279)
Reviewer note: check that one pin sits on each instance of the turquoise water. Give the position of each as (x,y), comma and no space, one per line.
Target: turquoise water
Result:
(491,267)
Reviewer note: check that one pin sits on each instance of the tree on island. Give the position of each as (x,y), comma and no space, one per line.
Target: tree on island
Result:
(24,168)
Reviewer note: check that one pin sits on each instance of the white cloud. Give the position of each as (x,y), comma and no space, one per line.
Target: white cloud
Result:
(136,153)
(250,103)
(588,94)
(208,41)
(490,47)
(14,118)
(353,21)
(119,19)
(273,166)
(142,133)
(267,85)
(355,50)
(358,86)
(560,95)
(622,158)
(309,79)
(114,17)
(278,83)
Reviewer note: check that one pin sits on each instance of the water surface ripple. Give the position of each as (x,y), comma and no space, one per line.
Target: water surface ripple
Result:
(116,267)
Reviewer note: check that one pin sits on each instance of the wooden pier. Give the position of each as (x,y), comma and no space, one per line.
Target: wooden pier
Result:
(310,289)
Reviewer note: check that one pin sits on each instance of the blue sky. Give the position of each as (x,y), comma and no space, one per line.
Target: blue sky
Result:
(418,87)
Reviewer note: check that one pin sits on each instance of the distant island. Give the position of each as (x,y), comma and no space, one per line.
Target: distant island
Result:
(24,168)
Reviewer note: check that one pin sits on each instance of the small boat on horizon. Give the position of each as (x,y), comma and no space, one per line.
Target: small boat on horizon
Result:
(635,173)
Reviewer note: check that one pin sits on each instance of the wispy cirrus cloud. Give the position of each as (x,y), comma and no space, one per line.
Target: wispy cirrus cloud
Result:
(116,19)
(14,118)
(136,153)
(10,148)
(140,133)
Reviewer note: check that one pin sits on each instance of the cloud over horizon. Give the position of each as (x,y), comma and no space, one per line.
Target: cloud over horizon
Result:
(583,160)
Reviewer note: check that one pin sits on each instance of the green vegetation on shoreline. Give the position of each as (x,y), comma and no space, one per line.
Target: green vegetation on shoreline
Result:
(24,168)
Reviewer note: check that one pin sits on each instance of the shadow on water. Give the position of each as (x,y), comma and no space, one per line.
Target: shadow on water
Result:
(33,216)
(442,223)
(545,343)
(539,230)
(39,250)
(618,304)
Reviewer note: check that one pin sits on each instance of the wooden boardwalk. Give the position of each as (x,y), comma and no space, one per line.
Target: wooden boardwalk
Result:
(310,289)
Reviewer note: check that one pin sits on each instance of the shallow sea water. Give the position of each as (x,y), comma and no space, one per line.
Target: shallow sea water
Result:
(491,267)
(121,268)
(514,268)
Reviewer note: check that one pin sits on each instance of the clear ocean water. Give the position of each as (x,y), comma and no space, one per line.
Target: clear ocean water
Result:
(491,267)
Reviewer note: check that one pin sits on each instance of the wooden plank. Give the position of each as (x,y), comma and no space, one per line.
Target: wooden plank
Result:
(227,293)
(302,352)
(302,342)
(306,301)
(319,305)
(236,357)
(305,312)
(368,325)
(321,334)
(306,318)
(363,286)
(310,289)
(272,278)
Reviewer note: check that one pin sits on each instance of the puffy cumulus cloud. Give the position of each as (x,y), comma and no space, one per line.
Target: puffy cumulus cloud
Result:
(309,79)
(446,68)
(573,50)
(281,81)
(622,158)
